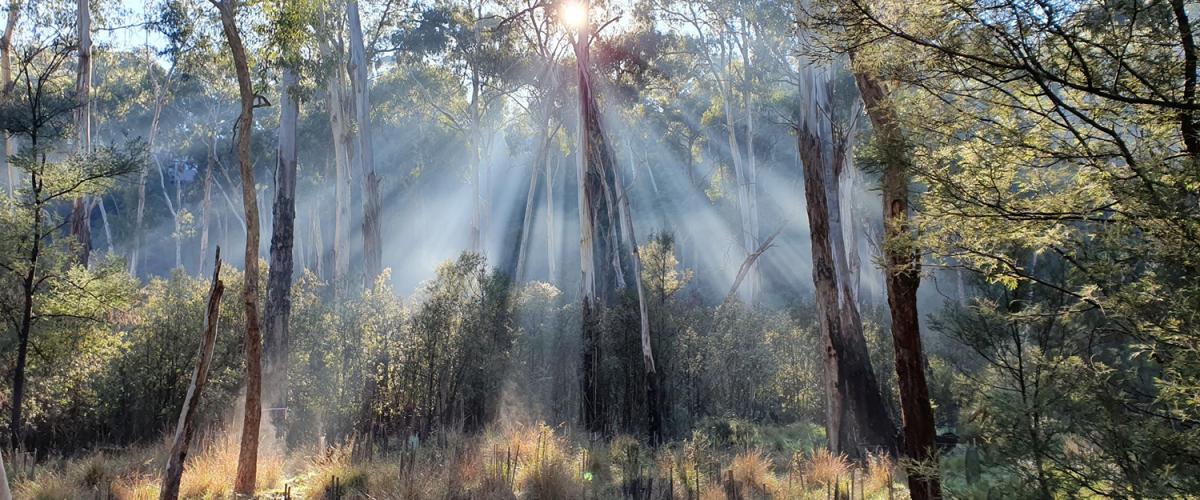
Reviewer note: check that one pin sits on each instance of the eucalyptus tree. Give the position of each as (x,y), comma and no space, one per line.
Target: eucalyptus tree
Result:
(177,24)
(358,67)
(248,450)
(81,212)
(293,17)
(544,76)
(723,37)
(471,41)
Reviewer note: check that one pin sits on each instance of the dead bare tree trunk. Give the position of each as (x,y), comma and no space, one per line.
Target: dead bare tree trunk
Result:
(248,452)
(372,242)
(902,272)
(185,427)
(279,274)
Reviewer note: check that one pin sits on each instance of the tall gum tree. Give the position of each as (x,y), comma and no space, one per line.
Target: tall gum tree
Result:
(247,467)
(81,212)
(857,421)
(283,221)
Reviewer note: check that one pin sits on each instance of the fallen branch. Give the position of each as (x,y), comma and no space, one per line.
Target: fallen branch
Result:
(749,262)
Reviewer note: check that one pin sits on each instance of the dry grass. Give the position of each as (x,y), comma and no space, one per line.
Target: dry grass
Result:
(881,473)
(527,462)
(209,473)
(825,468)
(751,473)
(46,486)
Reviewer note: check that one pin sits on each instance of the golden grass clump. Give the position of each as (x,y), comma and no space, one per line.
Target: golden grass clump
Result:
(826,468)
(751,472)
(712,491)
(533,461)
(881,473)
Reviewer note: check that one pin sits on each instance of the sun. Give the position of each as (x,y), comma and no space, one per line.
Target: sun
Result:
(574,14)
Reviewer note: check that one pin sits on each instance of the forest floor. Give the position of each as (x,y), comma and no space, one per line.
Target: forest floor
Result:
(529,461)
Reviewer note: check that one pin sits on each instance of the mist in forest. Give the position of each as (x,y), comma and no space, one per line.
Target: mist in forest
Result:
(599,249)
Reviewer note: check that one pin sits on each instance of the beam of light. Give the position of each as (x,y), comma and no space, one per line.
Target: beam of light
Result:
(574,14)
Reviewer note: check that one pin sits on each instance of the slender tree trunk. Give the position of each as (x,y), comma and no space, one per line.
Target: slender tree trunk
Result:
(530,198)
(28,287)
(318,243)
(5,491)
(206,205)
(138,236)
(341,152)
(248,453)
(751,179)
(372,242)
(551,227)
(81,212)
(14,14)
(186,425)
(279,274)
(104,219)
(903,276)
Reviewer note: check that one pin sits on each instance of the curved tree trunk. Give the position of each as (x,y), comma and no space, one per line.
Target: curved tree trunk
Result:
(248,452)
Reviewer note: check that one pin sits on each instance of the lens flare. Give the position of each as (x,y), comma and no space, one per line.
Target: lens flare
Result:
(574,15)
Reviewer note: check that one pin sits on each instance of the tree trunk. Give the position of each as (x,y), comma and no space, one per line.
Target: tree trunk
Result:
(206,205)
(248,452)
(372,243)
(551,227)
(751,173)
(14,14)
(856,416)
(5,491)
(530,198)
(903,277)
(185,427)
(138,236)
(81,212)
(279,274)
(28,287)
(341,159)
